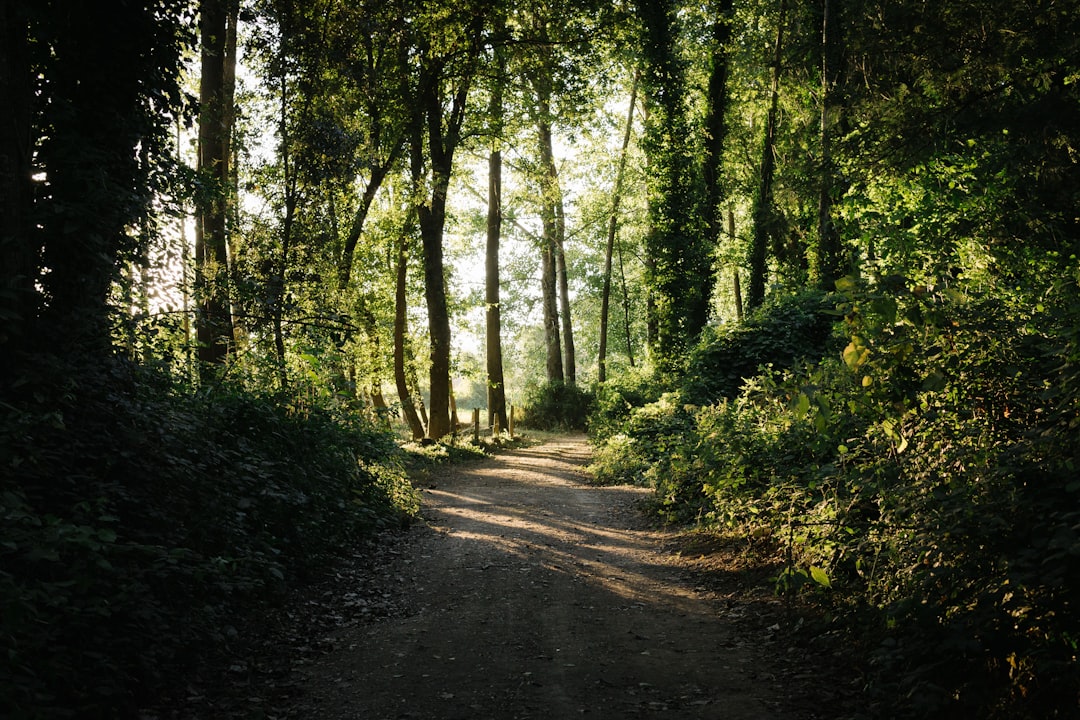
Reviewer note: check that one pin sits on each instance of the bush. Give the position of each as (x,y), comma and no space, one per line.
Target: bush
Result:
(923,482)
(781,333)
(556,406)
(147,527)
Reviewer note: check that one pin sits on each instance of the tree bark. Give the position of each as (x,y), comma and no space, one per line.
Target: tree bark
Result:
(613,229)
(408,407)
(763,199)
(496,388)
(715,121)
(549,269)
(213,320)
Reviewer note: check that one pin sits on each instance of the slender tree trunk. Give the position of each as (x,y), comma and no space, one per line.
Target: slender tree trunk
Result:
(549,222)
(213,321)
(828,255)
(18,267)
(626,309)
(378,176)
(554,364)
(715,121)
(735,279)
(569,353)
(763,199)
(277,282)
(496,388)
(613,229)
(408,407)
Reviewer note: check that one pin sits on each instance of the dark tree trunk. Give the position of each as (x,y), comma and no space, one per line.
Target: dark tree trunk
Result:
(613,229)
(715,121)
(18,258)
(401,380)
(763,199)
(554,364)
(496,388)
(214,321)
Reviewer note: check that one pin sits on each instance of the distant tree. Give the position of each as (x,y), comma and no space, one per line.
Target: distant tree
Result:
(214,327)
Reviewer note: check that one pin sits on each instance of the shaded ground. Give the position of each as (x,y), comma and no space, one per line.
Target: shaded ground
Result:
(527,593)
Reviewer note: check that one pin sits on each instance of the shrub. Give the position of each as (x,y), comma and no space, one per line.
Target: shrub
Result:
(145,527)
(556,406)
(784,331)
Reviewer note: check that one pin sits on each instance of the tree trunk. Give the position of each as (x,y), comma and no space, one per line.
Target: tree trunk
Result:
(496,388)
(442,111)
(549,266)
(715,125)
(378,176)
(763,199)
(735,280)
(408,408)
(18,266)
(277,281)
(828,250)
(554,363)
(626,309)
(569,359)
(213,321)
(613,228)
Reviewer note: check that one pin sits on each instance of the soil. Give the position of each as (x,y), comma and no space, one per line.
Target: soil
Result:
(525,592)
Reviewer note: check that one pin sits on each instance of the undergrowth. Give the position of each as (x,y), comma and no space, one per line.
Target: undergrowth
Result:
(919,476)
(147,528)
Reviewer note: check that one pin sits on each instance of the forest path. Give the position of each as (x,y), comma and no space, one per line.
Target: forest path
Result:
(528,593)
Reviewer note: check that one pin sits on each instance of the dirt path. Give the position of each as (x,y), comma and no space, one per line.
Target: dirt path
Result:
(528,593)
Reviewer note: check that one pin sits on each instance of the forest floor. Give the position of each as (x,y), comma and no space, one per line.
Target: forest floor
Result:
(526,592)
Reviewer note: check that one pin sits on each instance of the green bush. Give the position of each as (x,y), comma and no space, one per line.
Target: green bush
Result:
(617,398)
(556,406)
(921,481)
(145,527)
(781,333)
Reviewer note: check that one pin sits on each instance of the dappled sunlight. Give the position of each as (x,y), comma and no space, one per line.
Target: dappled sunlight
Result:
(573,535)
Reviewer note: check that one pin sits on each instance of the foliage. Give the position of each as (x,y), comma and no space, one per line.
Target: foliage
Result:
(556,406)
(785,330)
(145,527)
(922,483)
(617,398)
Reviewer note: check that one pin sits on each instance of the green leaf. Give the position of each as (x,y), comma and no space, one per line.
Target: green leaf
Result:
(820,576)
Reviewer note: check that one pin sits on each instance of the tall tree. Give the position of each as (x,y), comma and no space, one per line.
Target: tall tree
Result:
(496,383)
(679,254)
(214,328)
(401,315)
(763,211)
(716,120)
(447,58)
(550,212)
(613,229)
